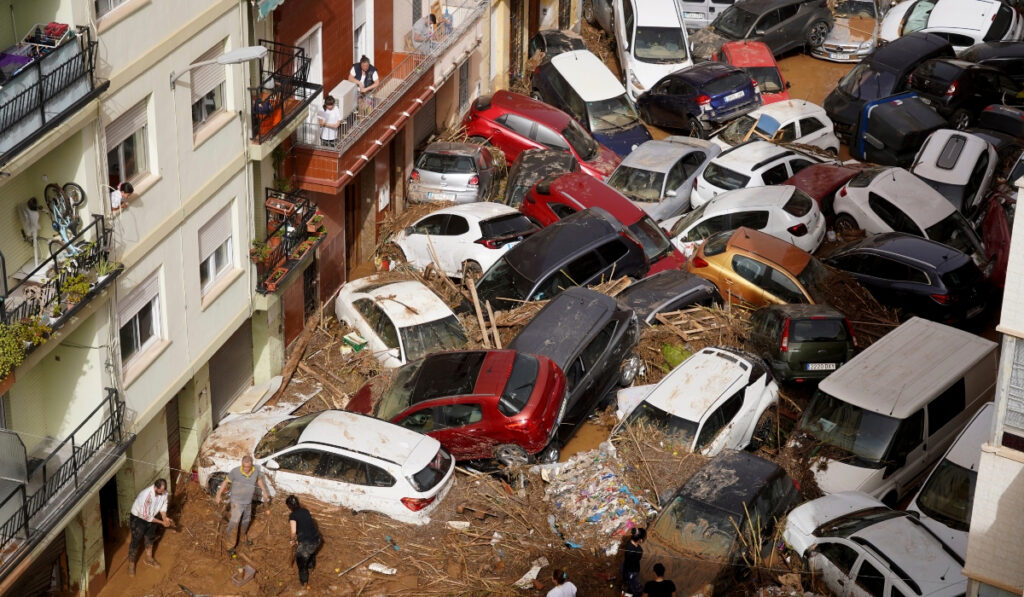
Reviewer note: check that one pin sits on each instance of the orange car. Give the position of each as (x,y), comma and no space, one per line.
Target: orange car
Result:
(755,268)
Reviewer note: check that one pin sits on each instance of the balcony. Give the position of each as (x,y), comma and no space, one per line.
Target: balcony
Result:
(282,97)
(45,80)
(294,230)
(38,489)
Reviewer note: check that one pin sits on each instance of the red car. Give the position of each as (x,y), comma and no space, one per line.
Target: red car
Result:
(514,123)
(756,58)
(821,182)
(479,404)
(556,197)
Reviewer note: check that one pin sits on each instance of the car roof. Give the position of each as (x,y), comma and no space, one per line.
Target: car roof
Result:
(565,324)
(406,302)
(908,50)
(913,196)
(966,15)
(788,110)
(552,245)
(478,210)
(367,435)
(587,191)
(907,543)
(659,155)
(657,13)
(702,72)
(730,480)
(650,293)
(469,149)
(804,311)
(587,75)
(696,385)
(942,258)
(751,155)
(897,374)
(749,198)
(926,164)
(506,101)
(759,6)
(556,160)
(776,250)
(821,180)
(993,49)
(965,450)
(747,52)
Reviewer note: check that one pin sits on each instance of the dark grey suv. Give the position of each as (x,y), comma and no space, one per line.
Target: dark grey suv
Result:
(782,25)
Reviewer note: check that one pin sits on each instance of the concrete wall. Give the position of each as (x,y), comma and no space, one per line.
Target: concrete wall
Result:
(195,418)
(993,552)
(1012,318)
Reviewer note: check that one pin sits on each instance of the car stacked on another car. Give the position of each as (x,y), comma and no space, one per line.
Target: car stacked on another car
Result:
(459,172)
(756,58)
(962,22)
(960,90)
(959,165)
(751,164)
(651,42)
(553,42)
(782,25)
(531,166)
(821,182)
(789,121)
(1007,56)
(667,291)
(855,34)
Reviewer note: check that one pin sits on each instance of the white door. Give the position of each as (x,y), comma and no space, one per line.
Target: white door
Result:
(311,43)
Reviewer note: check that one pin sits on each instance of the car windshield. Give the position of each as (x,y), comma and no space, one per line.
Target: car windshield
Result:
(917,17)
(854,522)
(637,184)
(734,22)
(955,231)
(650,236)
(768,78)
(948,494)
(580,140)
(862,435)
(688,220)
(611,114)
(691,527)
(283,435)
(659,45)
(502,281)
(520,384)
(818,330)
(506,225)
(396,398)
(737,130)
(854,8)
(725,178)
(441,334)
(865,83)
(433,473)
(446,163)
(646,416)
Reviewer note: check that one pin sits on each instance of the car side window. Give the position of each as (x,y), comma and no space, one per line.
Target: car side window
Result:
(303,462)
(434,225)
(946,406)
(851,263)
(788,11)
(751,219)
(781,286)
(456,225)
(386,329)
(516,124)
(719,419)
(684,168)
(799,164)
(974,183)
(597,346)
(574,102)
(775,175)
(768,21)
(787,133)
(584,267)
(892,215)
(870,579)
(421,420)
(888,269)
(561,210)
(678,87)
(368,311)
(708,227)
(810,125)
(663,88)
(612,251)
(342,468)
(550,138)
(909,436)
(748,269)
(842,556)
(460,415)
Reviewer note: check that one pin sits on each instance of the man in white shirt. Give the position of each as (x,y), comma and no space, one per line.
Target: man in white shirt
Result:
(150,504)
(330,120)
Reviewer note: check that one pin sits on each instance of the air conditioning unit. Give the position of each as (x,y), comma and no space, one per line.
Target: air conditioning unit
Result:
(346,93)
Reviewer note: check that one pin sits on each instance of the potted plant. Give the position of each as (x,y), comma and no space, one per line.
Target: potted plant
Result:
(74,289)
(259,251)
(301,250)
(105,268)
(275,278)
(314,223)
(12,351)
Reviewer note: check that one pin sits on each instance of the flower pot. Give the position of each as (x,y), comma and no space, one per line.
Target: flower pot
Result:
(275,278)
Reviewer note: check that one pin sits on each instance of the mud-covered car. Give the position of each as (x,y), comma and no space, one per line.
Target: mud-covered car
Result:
(855,33)
(782,25)
(667,291)
(533,165)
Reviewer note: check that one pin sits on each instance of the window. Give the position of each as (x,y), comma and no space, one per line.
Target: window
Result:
(810,125)
(207,106)
(303,462)
(207,86)
(775,175)
(359,29)
(946,406)
(516,124)
(908,436)
(561,210)
(892,216)
(140,319)
(550,138)
(464,85)
(748,269)
(841,556)
(127,139)
(417,11)
(341,468)
(768,21)
(421,420)
(379,322)
(870,579)
(215,252)
(799,164)
(788,12)
(751,219)
(434,225)
(460,415)
(597,346)
(722,416)
(786,134)
(105,6)
(456,225)
(887,269)
(781,286)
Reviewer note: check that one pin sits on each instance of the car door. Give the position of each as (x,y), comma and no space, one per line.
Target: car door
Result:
(514,135)
(682,175)
(461,424)
(766,30)
(600,361)
(301,470)
(419,237)
(789,33)
(813,132)
(655,104)
(745,286)
(458,243)
(906,457)
(870,579)
(834,562)
(781,288)
(733,421)
(371,323)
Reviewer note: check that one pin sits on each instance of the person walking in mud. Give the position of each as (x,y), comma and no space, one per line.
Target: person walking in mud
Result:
(148,511)
(305,538)
(659,587)
(633,552)
(243,481)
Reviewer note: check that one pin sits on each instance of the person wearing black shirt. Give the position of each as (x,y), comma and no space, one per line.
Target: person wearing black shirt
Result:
(633,553)
(659,587)
(305,538)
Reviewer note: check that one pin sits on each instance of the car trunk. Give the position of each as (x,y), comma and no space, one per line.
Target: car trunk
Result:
(729,91)
(817,344)
(449,172)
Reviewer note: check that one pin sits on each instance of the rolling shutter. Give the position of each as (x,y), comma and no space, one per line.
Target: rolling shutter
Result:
(206,78)
(214,233)
(126,124)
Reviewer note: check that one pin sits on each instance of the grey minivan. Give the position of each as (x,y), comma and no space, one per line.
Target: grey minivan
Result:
(458,172)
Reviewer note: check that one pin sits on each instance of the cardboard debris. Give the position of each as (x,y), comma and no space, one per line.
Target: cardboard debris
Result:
(526,580)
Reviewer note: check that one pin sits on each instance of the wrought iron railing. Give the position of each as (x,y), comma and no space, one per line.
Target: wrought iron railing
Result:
(292,221)
(43,288)
(66,468)
(284,93)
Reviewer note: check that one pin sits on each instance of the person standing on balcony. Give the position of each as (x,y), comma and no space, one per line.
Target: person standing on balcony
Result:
(423,38)
(364,75)
(243,481)
(148,511)
(330,120)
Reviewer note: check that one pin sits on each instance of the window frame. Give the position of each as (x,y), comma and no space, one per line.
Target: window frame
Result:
(218,107)
(145,294)
(140,144)
(111,5)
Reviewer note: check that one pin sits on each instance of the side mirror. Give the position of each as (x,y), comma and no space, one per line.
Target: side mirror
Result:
(788,84)
(670,193)
(272,465)
(409,230)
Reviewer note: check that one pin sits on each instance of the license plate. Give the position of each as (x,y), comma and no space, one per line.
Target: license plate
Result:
(693,15)
(820,366)
(839,56)
(441,196)
(734,96)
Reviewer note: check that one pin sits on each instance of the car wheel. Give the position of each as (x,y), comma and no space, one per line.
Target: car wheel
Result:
(471,270)
(215,481)
(961,119)
(588,12)
(536,95)
(816,34)
(845,223)
(511,455)
(832,151)
(696,129)
(550,454)
(629,370)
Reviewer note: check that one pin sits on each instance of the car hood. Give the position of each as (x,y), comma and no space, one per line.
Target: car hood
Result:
(692,574)
(802,521)
(833,476)
(649,73)
(705,42)
(602,166)
(843,107)
(238,436)
(852,31)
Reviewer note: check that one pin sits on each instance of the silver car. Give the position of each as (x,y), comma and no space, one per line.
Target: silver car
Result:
(855,34)
(457,172)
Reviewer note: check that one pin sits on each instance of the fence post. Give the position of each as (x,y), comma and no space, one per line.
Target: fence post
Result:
(24,508)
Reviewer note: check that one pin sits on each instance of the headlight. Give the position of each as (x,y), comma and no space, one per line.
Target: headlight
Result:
(636,82)
(867,45)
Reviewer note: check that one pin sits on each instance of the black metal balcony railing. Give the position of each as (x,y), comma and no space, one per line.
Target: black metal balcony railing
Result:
(294,230)
(31,298)
(284,91)
(47,91)
(54,484)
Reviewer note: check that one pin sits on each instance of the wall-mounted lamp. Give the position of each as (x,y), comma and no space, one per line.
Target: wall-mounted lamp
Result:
(237,56)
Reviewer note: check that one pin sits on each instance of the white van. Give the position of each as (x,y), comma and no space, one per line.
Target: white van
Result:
(947,497)
(651,42)
(888,414)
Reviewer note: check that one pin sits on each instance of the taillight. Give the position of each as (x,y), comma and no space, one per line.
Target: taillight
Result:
(842,192)
(526,425)
(754,83)
(490,243)
(784,343)
(474,181)
(698,261)
(417,504)
(415,175)
(952,88)
(941,299)
(703,100)
(798,230)
(849,330)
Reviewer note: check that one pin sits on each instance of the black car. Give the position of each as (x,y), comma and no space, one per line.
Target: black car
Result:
(782,25)
(582,248)
(882,74)
(1007,56)
(588,335)
(554,42)
(895,130)
(960,90)
(801,342)
(916,275)
(667,291)
(533,165)
(695,536)
(699,97)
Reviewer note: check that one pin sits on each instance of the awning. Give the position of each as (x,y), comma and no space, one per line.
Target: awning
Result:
(265,7)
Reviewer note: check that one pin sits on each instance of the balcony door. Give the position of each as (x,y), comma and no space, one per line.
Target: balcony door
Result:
(312,44)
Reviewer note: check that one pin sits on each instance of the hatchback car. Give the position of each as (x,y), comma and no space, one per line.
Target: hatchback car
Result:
(855,33)
(553,42)
(667,291)
(1007,56)
(757,269)
(463,240)
(479,404)
(531,166)
(583,248)
(341,458)
(856,545)
(782,25)
(751,164)
(579,84)
(756,58)
(962,22)
(916,275)
(789,121)
(699,98)
(459,172)
(710,402)
(591,338)
(801,342)
(784,212)
(514,123)
(400,321)
(651,42)
(697,534)
(959,165)
(659,175)
(960,90)
(551,200)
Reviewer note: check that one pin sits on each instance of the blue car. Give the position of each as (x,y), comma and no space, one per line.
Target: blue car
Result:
(699,98)
(579,84)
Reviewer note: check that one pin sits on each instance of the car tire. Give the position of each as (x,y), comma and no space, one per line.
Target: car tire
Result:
(511,455)
(960,119)
(550,454)
(215,481)
(629,370)
(471,270)
(588,13)
(845,223)
(696,129)
(536,95)
(816,34)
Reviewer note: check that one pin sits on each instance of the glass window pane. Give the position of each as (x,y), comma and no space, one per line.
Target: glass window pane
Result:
(205,272)
(129,342)
(223,256)
(147,322)
(131,164)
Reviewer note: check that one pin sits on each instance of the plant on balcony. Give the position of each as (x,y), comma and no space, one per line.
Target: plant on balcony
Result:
(275,278)
(12,351)
(259,251)
(74,288)
(314,223)
(301,250)
(104,268)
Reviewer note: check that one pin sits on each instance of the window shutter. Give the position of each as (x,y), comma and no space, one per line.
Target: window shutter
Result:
(144,292)
(206,78)
(214,233)
(125,125)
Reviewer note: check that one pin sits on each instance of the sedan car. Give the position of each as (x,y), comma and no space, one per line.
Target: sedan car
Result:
(479,404)
(459,172)
(962,22)
(1007,56)
(960,90)
(801,342)
(789,121)
(659,175)
(514,123)
(782,25)
(855,34)
(553,42)
(667,291)
(401,321)
(756,58)
(959,165)
(337,457)
(531,166)
(856,545)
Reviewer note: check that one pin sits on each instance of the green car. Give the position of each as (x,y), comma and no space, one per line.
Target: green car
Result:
(801,342)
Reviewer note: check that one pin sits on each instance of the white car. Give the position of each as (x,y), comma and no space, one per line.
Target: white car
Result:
(947,497)
(650,40)
(400,321)
(338,457)
(959,165)
(782,211)
(751,164)
(881,200)
(712,401)
(858,546)
(789,121)
(962,22)
(464,239)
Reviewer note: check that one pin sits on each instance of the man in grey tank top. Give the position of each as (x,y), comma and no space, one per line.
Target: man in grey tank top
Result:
(243,481)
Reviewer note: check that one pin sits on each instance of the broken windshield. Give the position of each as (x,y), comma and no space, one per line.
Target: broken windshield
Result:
(863,434)
(434,336)
(283,435)
(637,184)
(691,527)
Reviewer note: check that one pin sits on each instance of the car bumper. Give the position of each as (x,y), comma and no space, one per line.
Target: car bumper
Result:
(724,115)
(841,54)
(436,196)
(799,371)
